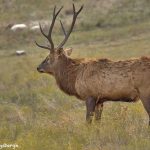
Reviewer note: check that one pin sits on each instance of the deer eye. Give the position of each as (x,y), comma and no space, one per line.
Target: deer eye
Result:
(49,60)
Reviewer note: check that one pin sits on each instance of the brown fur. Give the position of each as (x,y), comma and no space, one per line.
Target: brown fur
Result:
(103,79)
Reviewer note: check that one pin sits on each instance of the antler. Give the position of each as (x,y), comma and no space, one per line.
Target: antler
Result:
(67,34)
(75,14)
(49,37)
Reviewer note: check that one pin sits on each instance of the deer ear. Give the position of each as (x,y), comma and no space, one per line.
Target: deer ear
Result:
(68,51)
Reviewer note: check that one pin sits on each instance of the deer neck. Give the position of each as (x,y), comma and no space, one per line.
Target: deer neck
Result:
(65,75)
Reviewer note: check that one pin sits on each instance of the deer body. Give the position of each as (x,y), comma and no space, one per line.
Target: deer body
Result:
(96,80)
(104,79)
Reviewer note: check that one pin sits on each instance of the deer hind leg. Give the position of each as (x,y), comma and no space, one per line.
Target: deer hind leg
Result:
(146,104)
(98,111)
(90,106)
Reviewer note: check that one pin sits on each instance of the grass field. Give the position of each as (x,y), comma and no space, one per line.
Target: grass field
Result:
(34,113)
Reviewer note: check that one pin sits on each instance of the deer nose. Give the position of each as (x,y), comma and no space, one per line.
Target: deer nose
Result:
(39,69)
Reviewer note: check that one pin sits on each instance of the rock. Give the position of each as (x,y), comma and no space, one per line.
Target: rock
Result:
(18,27)
(20,52)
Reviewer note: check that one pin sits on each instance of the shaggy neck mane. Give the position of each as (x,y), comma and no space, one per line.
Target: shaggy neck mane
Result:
(66,73)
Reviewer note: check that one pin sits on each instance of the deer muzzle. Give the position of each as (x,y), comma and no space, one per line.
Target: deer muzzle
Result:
(39,69)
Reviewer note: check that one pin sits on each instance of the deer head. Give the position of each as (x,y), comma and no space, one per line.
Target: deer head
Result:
(56,54)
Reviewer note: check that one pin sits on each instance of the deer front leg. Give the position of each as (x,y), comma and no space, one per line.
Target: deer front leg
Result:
(90,107)
(98,111)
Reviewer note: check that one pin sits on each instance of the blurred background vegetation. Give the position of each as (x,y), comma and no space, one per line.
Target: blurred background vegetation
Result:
(34,113)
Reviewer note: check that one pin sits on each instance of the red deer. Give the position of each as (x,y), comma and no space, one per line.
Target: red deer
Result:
(96,80)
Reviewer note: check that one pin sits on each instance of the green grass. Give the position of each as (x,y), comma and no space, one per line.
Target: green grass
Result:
(36,115)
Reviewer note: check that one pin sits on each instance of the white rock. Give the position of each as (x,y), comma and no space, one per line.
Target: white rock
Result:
(36,27)
(20,52)
(18,26)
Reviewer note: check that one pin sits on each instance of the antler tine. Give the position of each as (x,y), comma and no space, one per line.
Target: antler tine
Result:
(42,30)
(49,37)
(80,9)
(63,28)
(41,46)
(75,14)
(74,9)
